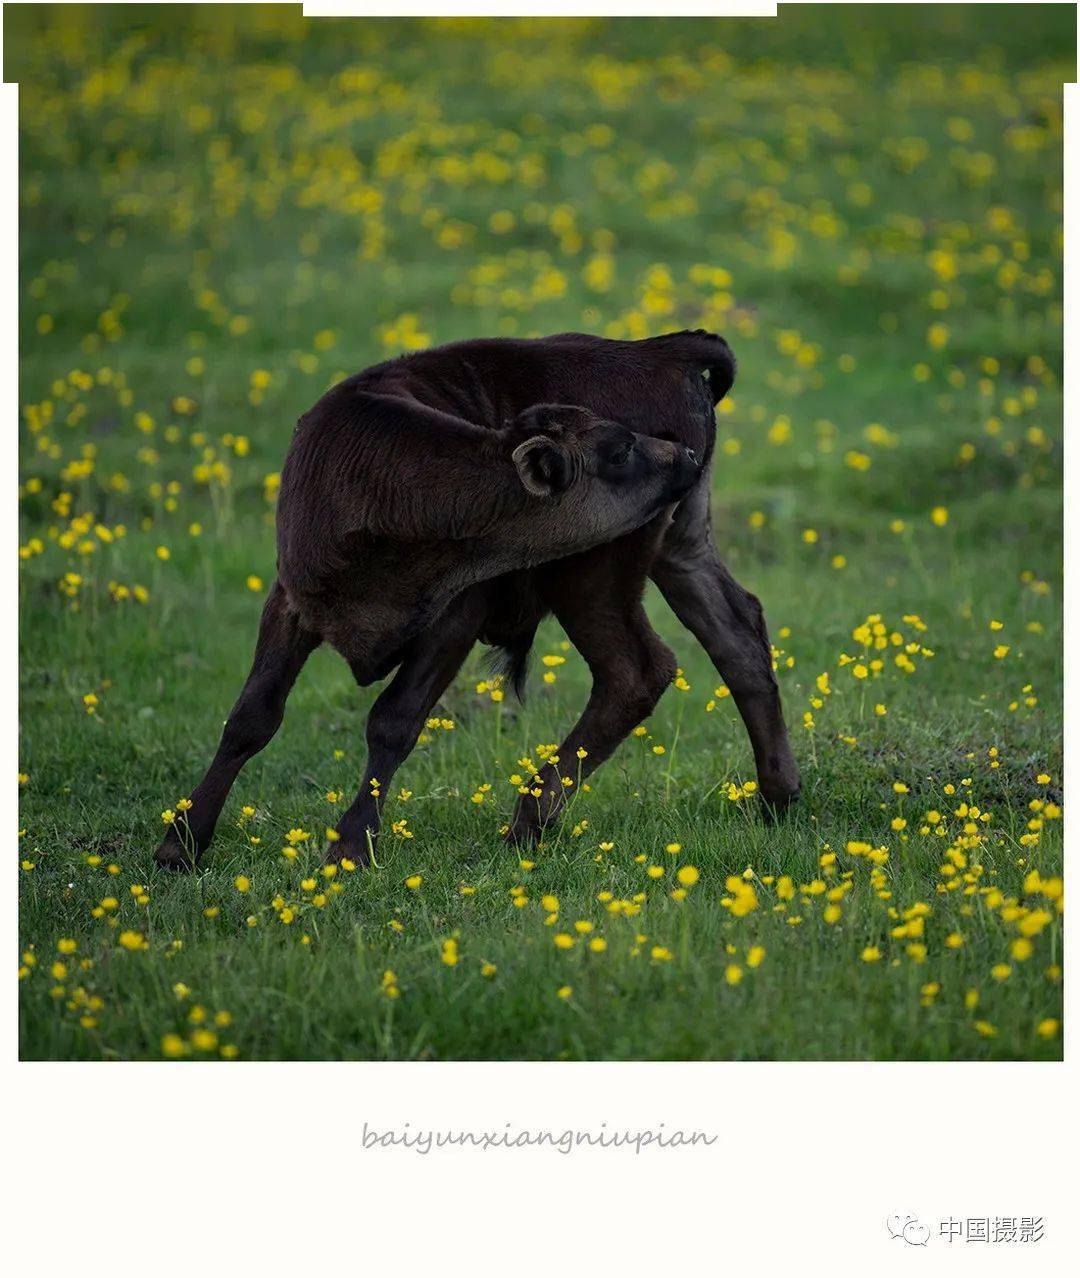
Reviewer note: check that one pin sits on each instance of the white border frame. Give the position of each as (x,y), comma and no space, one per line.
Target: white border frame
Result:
(262,1166)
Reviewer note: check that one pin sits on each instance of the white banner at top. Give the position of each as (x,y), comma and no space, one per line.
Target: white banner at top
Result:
(553,9)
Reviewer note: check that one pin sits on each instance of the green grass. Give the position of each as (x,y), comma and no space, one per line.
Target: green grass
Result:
(268,196)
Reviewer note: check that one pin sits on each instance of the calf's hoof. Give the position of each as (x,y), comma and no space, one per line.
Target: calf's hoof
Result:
(533,818)
(172,855)
(357,854)
(777,798)
(357,839)
(523,833)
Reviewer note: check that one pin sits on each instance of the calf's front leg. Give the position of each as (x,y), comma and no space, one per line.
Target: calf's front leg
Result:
(280,652)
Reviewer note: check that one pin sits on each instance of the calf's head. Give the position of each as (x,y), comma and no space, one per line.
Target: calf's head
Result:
(597,474)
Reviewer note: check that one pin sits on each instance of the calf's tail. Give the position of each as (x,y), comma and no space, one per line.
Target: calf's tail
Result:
(706,351)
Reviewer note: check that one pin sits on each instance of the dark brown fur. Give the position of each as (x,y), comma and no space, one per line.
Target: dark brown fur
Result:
(462,493)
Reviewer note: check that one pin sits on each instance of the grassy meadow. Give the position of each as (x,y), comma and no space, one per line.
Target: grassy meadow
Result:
(225,210)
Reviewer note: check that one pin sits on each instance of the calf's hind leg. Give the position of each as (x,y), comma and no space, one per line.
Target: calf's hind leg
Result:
(280,652)
(597,600)
(728,622)
(430,662)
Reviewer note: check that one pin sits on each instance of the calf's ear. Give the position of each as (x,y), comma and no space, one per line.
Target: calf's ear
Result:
(544,466)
